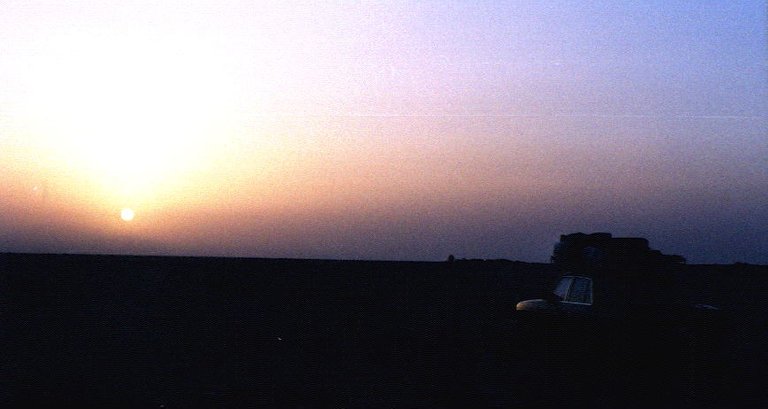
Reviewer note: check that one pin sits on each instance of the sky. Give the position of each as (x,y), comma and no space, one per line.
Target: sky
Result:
(383,130)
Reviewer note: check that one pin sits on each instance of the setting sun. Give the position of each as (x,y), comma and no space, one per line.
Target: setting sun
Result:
(380,130)
(127,214)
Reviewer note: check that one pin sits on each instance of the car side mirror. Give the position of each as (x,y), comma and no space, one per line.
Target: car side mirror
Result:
(551,297)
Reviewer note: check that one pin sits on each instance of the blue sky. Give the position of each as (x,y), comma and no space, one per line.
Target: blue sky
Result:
(397,130)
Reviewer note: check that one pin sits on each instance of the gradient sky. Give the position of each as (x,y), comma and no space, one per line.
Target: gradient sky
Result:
(383,130)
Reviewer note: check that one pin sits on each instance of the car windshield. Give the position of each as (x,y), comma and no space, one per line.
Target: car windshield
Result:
(581,291)
(561,290)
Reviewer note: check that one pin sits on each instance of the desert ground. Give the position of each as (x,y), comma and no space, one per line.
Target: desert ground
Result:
(177,332)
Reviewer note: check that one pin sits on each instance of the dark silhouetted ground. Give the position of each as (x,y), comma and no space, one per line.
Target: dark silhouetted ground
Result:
(176,332)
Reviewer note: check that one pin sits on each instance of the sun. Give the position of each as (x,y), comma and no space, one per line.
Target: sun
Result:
(127,214)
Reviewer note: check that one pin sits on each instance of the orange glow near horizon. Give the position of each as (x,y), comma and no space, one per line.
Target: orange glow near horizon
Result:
(374,130)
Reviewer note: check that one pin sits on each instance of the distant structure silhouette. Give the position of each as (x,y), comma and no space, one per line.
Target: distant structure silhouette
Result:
(583,252)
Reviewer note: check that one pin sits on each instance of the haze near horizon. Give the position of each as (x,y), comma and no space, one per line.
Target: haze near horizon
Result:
(367,130)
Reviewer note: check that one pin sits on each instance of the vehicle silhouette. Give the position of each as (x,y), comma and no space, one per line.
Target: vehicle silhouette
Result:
(616,317)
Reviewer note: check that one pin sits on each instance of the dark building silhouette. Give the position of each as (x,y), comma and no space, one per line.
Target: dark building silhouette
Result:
(580,252)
